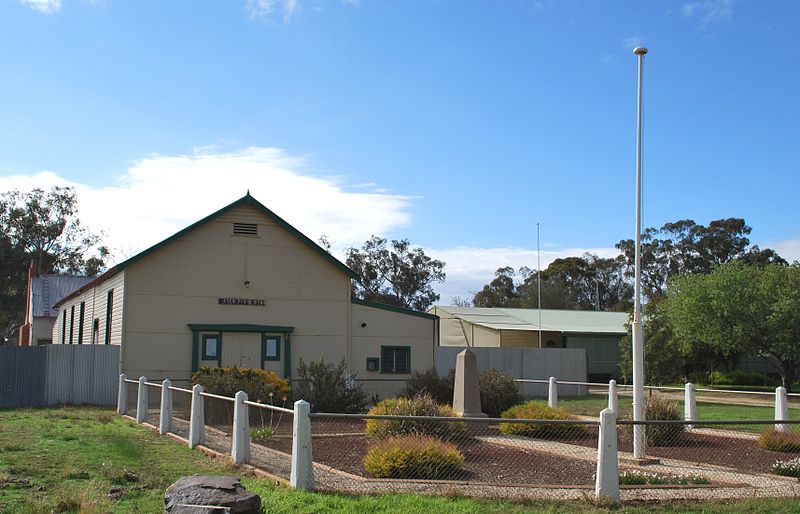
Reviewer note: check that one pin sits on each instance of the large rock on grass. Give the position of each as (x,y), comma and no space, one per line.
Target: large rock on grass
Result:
(199,494)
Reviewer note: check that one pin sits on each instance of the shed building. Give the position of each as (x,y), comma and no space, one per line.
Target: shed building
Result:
(244,288)
(597,332)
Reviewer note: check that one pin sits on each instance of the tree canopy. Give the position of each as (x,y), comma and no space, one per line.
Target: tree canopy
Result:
(44,228)
(395,273)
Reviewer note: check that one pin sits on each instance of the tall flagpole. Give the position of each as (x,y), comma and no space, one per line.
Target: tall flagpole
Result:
(639,446)
(539,281)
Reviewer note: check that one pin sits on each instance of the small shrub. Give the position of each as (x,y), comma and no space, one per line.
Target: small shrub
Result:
(422,405)
(636,477)
(659,408)
(776,441)
(429,382)
(537,410)
(329,387)
(498,392)
(68,505)
(786,468)
(262,433)
(413,456)
(743,378)
(261,386)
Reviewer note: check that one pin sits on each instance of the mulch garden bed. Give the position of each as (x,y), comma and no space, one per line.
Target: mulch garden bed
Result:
(342,444)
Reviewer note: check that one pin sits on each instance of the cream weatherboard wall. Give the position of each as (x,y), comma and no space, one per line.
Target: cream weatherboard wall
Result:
(181,283)
(94,297)
(376,327)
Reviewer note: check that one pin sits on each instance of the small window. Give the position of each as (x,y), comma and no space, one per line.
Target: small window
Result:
(395,359)
(272,348)
(81,316)
(64,327)
(373,363)
(210,348)
(245,229)
(109,314)
(71,323)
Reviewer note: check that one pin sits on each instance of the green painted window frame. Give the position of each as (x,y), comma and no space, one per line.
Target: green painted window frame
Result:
(81,318)
(109,315)
(71,323)
(264,356)
(393,349)
(204,355)
(64,327)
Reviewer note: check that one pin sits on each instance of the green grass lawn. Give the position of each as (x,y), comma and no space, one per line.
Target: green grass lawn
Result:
(68,459)
(592,405)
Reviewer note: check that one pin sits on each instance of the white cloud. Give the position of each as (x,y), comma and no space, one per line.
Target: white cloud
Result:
(44,6)
(789,249)
(469,268)
(709,12)
(160,195)
(264,9)
(632,42)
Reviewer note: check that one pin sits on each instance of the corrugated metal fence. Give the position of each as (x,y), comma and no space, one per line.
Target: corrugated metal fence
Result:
(567,364)
(36,376)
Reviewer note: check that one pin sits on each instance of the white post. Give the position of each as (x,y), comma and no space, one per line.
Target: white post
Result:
(607,477)
(612,396)
(636,325)
(689,404)
(240,448)
(122,395)
(141,401)
(197,421)
(165,418)
(302,476)
(552,393)
(781,409)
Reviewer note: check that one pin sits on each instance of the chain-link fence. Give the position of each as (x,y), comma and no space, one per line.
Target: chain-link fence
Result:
(363,453)
(490,457)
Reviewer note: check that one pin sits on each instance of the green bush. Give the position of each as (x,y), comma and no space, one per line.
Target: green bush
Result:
(659,408)
(787,468)
(412,457)
(261,386)
(776,441)
(423,405)
(743,378)
(498,392)
(429,382)
(538,410)
(329,387)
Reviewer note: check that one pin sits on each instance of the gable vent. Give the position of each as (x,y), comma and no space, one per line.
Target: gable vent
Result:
(245,229)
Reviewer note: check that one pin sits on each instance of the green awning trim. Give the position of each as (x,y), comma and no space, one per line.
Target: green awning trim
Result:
(240,328)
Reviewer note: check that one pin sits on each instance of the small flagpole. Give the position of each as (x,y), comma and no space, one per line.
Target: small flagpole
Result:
(539,280)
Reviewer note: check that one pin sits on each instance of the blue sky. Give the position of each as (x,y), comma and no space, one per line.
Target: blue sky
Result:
(457,124)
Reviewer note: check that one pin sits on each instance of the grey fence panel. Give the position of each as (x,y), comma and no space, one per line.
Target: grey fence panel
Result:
(566,364)
(21,383)
(33,376)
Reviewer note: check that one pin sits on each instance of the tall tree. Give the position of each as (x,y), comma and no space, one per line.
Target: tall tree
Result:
(42,227)
(396,273)
(502,291)
(739,310)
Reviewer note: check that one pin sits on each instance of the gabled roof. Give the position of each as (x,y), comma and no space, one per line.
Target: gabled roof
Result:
(245,200)
(48,290)
(574,322)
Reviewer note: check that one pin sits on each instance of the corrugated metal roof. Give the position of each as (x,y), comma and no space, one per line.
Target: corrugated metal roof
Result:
(48,290)
(584,322)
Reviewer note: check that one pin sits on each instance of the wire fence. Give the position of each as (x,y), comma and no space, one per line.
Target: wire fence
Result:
(490,457)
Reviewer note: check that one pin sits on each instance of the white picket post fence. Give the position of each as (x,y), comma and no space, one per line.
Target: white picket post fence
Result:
(552,393)
(689,404)
(165,415)
(302,476)
(240,447)
(122,395)
(612,396)
(141,400)
(607,476)
(781,409)
(197,419)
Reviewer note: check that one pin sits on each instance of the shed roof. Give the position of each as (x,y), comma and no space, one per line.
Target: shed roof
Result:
(498,318)
(48,290)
